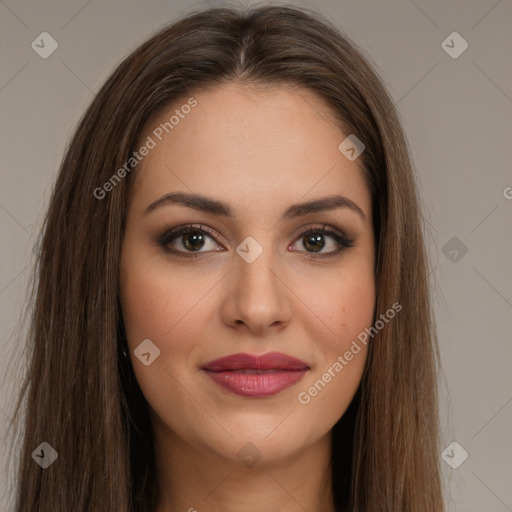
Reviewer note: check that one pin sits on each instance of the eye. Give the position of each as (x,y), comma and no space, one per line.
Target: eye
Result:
(313,239)
(187,241)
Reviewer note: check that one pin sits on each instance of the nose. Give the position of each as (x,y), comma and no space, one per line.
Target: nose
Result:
(257,299)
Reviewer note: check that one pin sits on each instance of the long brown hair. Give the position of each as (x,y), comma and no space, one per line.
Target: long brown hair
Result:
(81,396)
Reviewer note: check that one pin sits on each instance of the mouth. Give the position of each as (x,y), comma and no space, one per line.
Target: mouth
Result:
(256,376)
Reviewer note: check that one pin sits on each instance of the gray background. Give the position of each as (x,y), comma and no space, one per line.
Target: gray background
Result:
(457,116)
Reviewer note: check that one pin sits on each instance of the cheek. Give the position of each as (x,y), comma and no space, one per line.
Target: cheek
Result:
(355,306)
(156,303)
(345,304)
(164,307)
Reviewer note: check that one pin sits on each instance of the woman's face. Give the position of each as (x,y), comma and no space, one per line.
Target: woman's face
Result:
(247,280)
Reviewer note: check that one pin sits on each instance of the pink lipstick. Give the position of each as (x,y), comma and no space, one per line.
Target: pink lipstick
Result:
(256,376)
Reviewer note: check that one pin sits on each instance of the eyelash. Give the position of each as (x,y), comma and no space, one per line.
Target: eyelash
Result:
(170,234)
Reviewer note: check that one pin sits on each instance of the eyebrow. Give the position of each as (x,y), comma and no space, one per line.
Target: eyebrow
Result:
(216,207)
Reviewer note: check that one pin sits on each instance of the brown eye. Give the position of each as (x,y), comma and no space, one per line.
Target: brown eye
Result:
(315,239)
(193,240)
(313,242)
(187,240)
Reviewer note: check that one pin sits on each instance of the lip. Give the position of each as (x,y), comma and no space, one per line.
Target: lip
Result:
(256,375)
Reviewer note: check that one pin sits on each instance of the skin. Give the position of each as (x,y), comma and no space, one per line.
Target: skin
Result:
(260,151)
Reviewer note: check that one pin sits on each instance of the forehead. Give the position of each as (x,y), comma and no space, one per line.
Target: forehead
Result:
(239,143)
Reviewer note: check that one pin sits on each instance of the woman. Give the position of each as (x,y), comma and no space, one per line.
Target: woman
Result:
(232,307)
